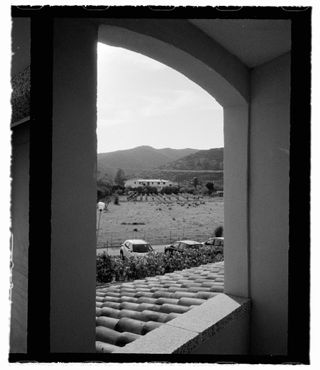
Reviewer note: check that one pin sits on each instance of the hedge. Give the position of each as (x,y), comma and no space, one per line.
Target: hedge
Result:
(113,268)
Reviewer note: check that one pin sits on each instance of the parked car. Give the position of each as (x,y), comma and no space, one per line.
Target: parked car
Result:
(215,241)
(181,245)
(135,247)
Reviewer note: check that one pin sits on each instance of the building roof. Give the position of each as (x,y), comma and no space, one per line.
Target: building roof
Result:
(129,310)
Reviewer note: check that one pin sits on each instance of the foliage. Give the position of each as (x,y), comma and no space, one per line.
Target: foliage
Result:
(170,190)
(129,189)
(218,232)
(146,190)
(210,187)
(113,268)
(139,190)
(116,199)
(105,267)
(195,182)
(104,188)
(118,189)
(120,177)
(187,190)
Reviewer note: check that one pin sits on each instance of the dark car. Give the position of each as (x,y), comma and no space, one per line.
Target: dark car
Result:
(181,245)
(215,241)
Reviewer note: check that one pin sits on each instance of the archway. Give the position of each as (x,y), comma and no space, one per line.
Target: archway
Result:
(181,46)
(176,43)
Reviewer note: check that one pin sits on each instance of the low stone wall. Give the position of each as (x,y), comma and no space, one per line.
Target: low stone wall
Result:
(218,326)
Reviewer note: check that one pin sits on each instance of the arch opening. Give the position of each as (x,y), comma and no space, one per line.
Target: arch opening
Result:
(208,71)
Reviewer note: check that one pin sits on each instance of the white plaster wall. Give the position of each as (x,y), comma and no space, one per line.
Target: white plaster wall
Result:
(269,205)
(74,156)
(236,200)
(20,231)
(20,199)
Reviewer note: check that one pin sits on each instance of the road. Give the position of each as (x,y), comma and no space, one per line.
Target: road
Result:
(116,251)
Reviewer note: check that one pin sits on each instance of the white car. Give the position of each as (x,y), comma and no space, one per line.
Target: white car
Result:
(135,247)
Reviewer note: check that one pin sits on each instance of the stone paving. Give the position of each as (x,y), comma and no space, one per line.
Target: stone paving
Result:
(129,310)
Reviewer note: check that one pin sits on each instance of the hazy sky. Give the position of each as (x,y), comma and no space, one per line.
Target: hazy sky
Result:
(144,102)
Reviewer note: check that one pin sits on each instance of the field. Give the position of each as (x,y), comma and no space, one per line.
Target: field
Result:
(159,220)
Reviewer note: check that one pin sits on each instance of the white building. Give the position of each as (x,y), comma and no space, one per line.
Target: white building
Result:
(158,183)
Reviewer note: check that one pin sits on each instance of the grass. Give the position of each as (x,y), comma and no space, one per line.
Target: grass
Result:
(159,222)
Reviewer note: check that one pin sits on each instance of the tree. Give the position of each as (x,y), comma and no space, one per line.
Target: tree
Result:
(104,188)
(218,232)
(210,187)
(116,199)
(169,190)
(195,182)
(120,178)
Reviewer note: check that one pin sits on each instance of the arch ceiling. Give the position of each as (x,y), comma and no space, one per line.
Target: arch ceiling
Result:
(182,46)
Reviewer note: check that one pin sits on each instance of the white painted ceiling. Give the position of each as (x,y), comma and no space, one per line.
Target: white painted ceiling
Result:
(253,41)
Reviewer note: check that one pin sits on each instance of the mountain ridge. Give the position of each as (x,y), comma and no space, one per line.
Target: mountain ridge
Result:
(138,158)
(207,159)
(144,158)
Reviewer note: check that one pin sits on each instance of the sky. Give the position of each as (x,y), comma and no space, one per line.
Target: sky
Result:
(144,102)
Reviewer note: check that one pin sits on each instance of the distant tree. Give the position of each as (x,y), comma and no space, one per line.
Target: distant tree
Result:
(139,189)
(218,232)
(169,190)
(187,190)
(195,182)
(175,189)
(104,188)
(210,187)
(153,190)
(120,178)
(118,189)
(149,190)
(116,199)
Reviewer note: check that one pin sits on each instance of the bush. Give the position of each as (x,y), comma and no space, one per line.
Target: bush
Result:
(218,232)
(189,190)
(117,189)
(110,268)
(150,190)
(105,268)
(116,199)
(139,190)
(169,190)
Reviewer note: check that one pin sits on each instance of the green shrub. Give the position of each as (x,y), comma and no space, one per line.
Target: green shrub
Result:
(169,190)
(110,268)
(105,268)
(116,199)
(218,232)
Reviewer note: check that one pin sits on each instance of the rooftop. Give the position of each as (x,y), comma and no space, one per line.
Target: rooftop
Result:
(130,310)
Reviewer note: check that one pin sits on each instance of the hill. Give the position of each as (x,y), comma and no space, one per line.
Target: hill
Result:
(139,158)
(211,159)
